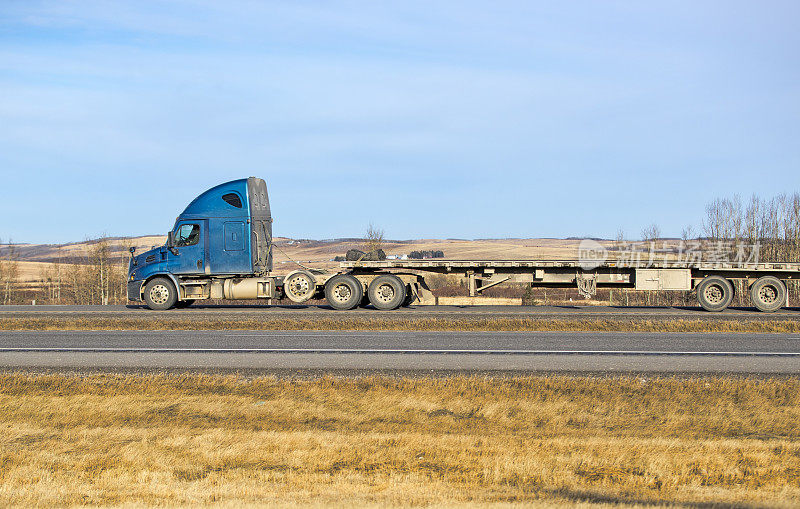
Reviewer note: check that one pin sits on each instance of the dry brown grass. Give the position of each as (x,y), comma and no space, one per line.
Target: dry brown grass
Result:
(199,439)
(466,323)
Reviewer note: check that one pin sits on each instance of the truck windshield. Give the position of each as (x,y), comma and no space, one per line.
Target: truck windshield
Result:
(187,235)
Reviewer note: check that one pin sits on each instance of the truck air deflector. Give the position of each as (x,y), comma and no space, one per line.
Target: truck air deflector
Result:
(260,225)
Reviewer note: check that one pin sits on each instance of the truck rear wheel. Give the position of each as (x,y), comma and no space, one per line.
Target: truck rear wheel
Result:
(387,292)
(160,294)
(714,293)
(768,294)
(343,292)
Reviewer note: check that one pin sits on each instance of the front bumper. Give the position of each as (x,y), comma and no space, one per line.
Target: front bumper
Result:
(135,290)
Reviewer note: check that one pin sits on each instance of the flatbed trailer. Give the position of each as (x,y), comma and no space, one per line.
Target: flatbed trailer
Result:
(712,281)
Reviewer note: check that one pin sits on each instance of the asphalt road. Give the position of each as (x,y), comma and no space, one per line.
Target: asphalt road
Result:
(244,311)
(347,351)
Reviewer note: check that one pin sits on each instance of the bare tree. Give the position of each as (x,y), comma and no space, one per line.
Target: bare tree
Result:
(10,273)
(100,259)
(724,219)
(57,278)
(2,267)
(651,233)
(688,233)
(47,277)
(373,238)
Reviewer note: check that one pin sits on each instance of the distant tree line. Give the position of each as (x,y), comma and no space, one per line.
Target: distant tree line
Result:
(772,225)
(99,277)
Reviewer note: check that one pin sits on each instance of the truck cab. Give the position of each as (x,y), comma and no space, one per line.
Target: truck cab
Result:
(221,248)
(224,234)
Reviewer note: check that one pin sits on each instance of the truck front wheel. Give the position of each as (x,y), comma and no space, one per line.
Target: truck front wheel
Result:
(768,294)
(343,292)
(160,294)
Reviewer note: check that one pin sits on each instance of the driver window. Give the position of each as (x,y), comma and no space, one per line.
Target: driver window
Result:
(187,235)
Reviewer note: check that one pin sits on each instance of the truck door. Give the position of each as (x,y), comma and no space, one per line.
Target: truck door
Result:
(189,243)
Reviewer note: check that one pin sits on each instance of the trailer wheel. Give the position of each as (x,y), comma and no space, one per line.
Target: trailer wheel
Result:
(768,294)
(299,287)
(344,292)
(714,293)
(387,292)
(160,294)
(184,303)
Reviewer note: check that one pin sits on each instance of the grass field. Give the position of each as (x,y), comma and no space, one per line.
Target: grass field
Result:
(430,323)
(199,439)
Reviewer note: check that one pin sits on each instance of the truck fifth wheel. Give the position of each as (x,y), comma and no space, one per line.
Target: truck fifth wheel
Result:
(221,248)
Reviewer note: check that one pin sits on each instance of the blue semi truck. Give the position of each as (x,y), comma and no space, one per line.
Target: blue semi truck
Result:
(221,248)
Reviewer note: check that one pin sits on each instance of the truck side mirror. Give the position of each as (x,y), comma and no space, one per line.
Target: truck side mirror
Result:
(171,243)
(132,250)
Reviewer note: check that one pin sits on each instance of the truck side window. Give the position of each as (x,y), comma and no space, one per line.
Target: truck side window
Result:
(233,199)
(187,235)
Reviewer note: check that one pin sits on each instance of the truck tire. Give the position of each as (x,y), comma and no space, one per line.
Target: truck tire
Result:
(299,287)
(768,294)
(160,294)
(387,292)
(343,292)
(182,304)
(714,293)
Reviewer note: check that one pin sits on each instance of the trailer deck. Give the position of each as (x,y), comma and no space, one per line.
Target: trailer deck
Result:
(712,280)
(577,264)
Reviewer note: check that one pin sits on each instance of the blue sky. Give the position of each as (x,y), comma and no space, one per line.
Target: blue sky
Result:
(429,119)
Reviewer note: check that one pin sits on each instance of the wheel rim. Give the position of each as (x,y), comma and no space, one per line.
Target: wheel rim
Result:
(299,286)
(159,294)
(768,294)
(342,292)
(385,293)
(714,294)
